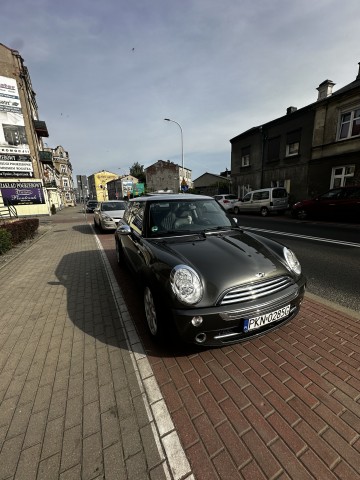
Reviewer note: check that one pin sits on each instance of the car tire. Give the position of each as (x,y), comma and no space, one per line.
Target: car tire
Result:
(264,212)
(153,316)
(302,214)
(236,210)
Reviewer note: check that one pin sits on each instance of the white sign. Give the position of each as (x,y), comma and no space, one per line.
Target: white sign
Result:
(13,138)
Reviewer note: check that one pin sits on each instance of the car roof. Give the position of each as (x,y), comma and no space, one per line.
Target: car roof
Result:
(170,196)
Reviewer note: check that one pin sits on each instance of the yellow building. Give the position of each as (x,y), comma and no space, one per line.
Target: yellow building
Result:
(98,185)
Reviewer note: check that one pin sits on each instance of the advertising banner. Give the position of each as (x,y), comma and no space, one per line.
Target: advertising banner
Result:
(16,193)
(16,166)
(13,138)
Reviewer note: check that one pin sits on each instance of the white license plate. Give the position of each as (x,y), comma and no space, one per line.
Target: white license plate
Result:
(262,320)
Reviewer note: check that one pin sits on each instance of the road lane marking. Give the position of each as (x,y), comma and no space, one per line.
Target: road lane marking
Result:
(305,237)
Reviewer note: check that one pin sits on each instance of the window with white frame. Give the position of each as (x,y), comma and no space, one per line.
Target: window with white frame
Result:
(340,175)
(65,182)
(245,160)
(292,149)
(281,183)
(63,168)
(245,157)
(350,124)
(293,143)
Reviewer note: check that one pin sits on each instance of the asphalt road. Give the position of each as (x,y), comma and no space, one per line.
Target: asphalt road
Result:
(329,253)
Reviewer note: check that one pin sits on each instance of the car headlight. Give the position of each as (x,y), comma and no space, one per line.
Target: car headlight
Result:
(292,261)
(186,284)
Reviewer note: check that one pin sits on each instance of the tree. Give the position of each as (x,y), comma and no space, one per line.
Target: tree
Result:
(137,171)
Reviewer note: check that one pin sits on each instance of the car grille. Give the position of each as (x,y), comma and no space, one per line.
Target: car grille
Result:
(253,291)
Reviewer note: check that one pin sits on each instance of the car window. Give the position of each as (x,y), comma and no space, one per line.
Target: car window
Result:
(134,215)
(247,197)
(261,195)
(331,194)
(138,212)
(279,193)
(231,197)
(189,216)
(110,206)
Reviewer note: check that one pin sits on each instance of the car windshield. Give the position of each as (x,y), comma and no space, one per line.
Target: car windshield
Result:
(109,206)
(187,216)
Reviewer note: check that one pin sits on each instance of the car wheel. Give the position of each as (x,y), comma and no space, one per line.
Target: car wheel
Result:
(153,318)
(302,214)
(264,212)
(236,210)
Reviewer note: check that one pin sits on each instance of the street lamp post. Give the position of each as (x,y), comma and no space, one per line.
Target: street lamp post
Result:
(182,143)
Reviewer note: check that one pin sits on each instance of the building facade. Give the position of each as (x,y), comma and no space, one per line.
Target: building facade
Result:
(335,157)
(307,151)
(21,145)
(211,184)
(63,167)
(167,176)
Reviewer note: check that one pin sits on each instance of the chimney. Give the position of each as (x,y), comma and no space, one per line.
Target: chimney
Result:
(290,110)
(358,76)
(325,89)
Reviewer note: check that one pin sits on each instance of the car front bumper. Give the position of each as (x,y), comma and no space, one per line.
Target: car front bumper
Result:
(224,325)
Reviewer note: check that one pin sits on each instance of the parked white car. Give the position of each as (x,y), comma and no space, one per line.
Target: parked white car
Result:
(227,200)
(107,214)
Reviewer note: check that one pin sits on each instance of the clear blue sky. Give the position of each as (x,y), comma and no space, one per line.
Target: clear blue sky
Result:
(106,73)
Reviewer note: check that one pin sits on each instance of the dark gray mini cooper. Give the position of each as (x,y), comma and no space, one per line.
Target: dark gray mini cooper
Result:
(202,274)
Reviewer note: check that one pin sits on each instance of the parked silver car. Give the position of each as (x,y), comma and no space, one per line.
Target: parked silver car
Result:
(107,214)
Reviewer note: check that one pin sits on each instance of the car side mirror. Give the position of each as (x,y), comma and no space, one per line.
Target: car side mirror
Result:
(124,230)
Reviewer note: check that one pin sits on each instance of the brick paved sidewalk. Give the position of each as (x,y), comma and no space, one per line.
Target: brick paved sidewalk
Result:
(73,403)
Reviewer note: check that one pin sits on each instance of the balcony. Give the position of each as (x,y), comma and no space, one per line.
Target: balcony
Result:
(45,157)
(40,128)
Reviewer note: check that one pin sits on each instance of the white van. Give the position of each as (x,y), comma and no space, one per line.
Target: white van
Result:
(263,201)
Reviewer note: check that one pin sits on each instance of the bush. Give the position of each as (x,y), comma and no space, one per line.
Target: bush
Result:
(21,230)
(5,241)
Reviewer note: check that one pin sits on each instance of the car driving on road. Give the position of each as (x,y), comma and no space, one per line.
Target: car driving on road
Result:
(202,276)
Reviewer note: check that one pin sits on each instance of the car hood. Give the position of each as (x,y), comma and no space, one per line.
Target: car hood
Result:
(304,203)
(224,260)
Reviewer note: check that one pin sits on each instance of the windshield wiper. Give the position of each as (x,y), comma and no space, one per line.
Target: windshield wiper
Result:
(219,228)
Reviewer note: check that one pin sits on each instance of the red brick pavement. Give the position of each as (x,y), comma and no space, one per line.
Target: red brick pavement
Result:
(285,405)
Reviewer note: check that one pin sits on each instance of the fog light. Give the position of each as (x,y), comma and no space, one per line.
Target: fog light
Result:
(197,321)
(200,337)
